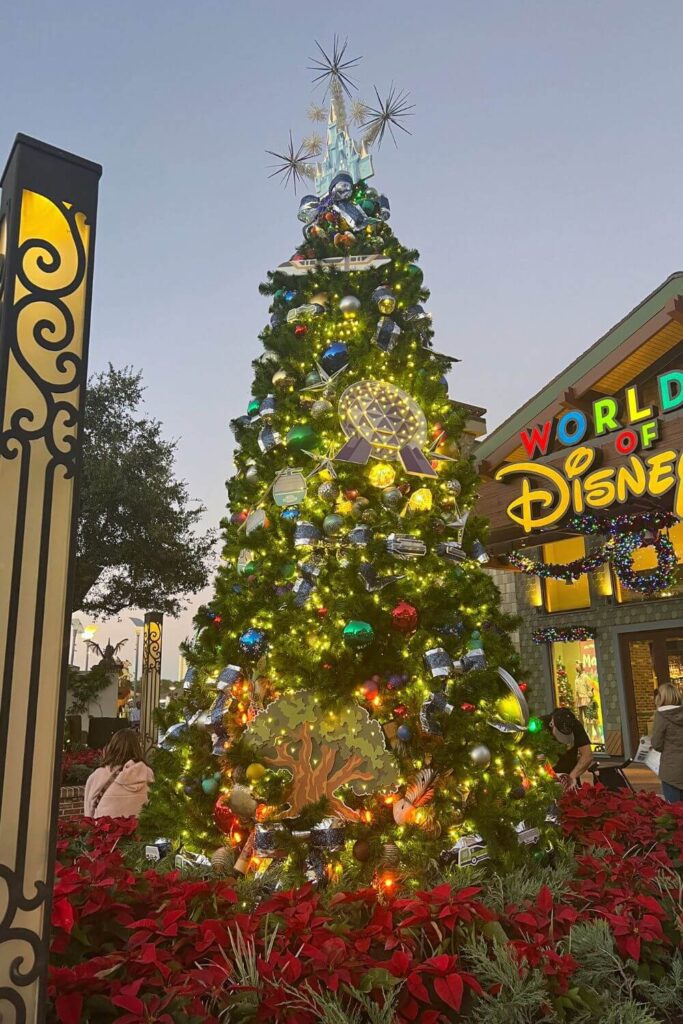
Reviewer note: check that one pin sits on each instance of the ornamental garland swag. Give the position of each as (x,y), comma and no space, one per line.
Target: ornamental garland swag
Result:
(625,534)
(562,634)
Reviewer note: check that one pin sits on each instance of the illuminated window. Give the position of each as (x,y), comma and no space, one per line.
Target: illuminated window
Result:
(575,675)
(646,558)
(559,596)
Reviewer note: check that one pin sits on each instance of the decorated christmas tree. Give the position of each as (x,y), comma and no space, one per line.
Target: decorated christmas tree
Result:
(351,711)
(565,695)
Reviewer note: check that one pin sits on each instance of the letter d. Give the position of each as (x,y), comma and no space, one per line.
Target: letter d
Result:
(671,390)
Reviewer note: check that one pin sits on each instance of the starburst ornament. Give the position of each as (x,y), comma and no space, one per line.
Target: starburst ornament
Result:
(325,463)
(388,114)
(331,70)
(327,380)
(317,113)
(359,111)
(294,164)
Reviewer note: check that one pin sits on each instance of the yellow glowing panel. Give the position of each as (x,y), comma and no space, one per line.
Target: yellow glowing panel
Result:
(560,596)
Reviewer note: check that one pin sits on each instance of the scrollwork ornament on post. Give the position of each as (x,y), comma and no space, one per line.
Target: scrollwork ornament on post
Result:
(47,237)
(151,676)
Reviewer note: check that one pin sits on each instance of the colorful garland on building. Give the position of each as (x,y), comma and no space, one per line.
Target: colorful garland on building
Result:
(562,634)
(625,534)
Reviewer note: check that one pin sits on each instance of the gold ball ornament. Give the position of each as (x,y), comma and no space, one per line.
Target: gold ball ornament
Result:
(282,379)
(381,475)
(222,861)
(320,298)
(255,772)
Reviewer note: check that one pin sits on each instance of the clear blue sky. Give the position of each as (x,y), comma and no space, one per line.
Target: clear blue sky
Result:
(541,184)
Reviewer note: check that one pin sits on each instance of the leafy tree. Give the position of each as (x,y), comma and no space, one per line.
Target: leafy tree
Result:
(137,544)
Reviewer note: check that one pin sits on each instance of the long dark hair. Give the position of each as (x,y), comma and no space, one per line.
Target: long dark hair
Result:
(122,747)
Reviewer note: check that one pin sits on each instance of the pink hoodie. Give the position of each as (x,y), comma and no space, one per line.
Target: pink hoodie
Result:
(126,795)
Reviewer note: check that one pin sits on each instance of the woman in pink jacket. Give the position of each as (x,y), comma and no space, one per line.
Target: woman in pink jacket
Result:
(119,788)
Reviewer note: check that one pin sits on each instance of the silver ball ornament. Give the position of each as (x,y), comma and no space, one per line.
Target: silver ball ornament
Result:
(455,487)
(282,379)
(332,524)
(328,491)
(391,497)
(321,407)
(480,756)
(251,473)
(349,305)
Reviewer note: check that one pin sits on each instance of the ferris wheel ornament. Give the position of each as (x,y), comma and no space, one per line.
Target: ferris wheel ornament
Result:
(383,422)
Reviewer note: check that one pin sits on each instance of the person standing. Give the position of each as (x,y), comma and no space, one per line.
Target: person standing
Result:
(134,716)
(119,789)
(667,738)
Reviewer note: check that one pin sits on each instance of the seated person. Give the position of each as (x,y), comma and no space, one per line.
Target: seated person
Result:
(567,730)
(120,787)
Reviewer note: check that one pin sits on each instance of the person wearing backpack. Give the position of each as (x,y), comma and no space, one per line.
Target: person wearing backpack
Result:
(119,789)
(667,737)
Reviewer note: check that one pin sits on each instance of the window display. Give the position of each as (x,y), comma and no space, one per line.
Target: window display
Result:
(577,686)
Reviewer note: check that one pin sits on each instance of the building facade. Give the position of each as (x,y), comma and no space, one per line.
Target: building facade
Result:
(590,462)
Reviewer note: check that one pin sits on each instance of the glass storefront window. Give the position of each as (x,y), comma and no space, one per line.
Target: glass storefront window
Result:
(577,686)
(564,597)
(646,558)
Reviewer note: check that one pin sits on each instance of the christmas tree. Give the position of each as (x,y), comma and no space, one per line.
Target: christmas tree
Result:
(351,711)
(565,695)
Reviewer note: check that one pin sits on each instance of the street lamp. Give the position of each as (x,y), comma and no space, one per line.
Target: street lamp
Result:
(76,628)
(87,634)
(139,627)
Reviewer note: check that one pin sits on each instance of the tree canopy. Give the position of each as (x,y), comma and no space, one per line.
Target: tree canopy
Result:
(138,543)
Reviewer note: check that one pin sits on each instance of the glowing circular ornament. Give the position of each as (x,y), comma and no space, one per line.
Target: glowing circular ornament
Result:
(349,306)
(358,634)
(253,642)
(386,302)
(320,298)
(382,422)
(382,475)
(480,756)
(321,407)
(420,500)
(404,617)
(334,357)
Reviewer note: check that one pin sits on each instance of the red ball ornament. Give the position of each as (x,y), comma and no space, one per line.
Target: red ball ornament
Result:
(404,617)
(351,494)
(328,666)
(217,620)
(237,518)
(330,217)
(524,687)
(370,688)
(401,710)
(322,612)
(300,330)
(467,708)
(437,430)
(223,816)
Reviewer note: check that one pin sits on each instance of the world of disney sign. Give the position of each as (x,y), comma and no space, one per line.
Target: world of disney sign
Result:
(548,493)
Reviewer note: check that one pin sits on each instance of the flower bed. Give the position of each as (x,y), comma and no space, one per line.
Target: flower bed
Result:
(78,764)
(595,938)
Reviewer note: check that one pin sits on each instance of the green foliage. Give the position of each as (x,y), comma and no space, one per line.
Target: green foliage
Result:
(137,544)
(85,687)
(521,997)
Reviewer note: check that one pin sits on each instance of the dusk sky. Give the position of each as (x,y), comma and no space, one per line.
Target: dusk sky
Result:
(541,183)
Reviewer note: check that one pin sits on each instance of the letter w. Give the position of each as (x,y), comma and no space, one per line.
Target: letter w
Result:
(536,438)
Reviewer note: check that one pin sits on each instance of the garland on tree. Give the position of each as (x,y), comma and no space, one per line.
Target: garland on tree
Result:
(625,534)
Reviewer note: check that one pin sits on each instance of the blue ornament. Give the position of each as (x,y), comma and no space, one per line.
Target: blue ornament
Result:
(404,733)
(253,643)
(444,384)
(209,786)
(395,682)
(334,357)
(289,296)
(290,514)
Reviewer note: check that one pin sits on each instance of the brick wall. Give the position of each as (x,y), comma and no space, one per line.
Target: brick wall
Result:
(505,581)
(71,801)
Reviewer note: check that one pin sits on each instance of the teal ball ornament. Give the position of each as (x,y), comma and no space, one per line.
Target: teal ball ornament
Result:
(415,272)
(300,436)
(358,634)
(332,524)
(312,378)
(210,786)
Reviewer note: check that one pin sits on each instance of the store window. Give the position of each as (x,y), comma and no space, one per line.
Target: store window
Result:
(577,686)
(560,596)
(645,559)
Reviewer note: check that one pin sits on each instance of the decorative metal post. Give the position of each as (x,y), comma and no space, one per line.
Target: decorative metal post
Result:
(151,676)
(47,240)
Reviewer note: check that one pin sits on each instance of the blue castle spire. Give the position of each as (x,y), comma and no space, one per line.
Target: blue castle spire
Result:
(342,155)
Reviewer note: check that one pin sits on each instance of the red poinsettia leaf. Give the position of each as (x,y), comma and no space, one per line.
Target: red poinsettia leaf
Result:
(450,990)
(417,988)
(545,899)
(63,915)
(410,1010)
(69,1007)
(130,1003)
(631,946)
(399,963)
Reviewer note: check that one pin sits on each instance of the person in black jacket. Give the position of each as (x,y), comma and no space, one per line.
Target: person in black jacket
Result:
(667,737)
(575,759)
